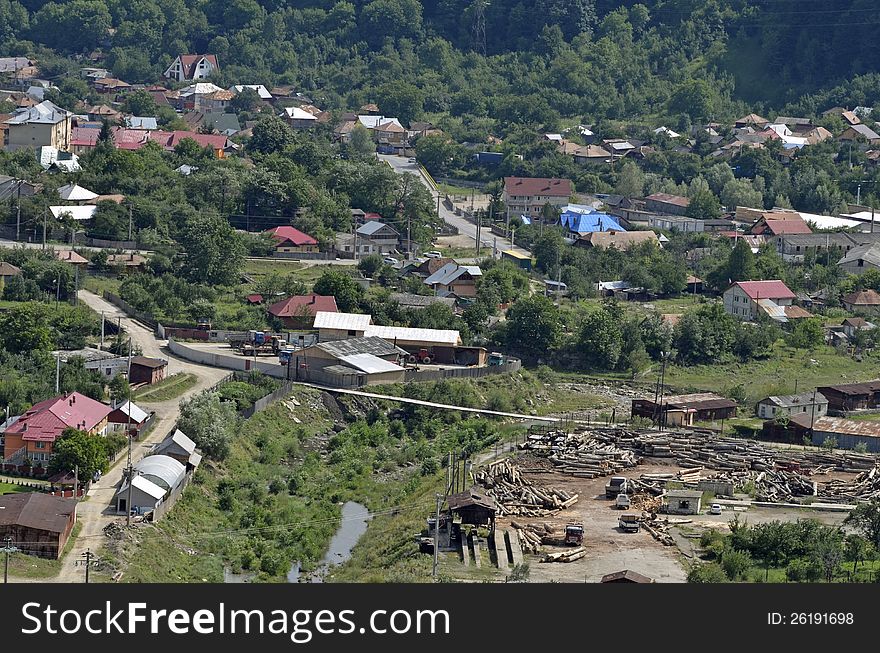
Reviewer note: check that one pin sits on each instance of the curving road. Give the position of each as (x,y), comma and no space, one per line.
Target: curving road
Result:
(401,165)
(96,512)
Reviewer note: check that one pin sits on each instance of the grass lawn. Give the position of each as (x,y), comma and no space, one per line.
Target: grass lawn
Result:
(174,386)
(12,488)
(308,274)
(460,190)
(98,284)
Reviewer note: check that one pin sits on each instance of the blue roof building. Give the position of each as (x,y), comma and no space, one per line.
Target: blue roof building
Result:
(582,223)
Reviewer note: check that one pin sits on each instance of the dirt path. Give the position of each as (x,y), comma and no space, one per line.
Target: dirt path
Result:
(95,512)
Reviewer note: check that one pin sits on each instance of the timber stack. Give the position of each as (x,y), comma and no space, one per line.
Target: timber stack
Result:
(580,455)
(515,495)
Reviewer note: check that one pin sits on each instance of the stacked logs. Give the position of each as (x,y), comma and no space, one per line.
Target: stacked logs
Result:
(565,556)
(515,495)
(864,487)
(581,456)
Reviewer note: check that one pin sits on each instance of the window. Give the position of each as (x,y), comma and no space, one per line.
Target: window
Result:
(40,445)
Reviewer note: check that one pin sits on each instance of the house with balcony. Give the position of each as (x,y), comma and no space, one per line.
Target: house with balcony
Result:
(381,238)
(528,195)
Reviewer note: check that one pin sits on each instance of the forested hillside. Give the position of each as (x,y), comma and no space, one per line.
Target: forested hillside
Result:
(506,62)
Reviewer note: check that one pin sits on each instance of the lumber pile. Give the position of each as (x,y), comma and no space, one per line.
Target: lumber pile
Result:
(532,536)
(864,487)
(580,454)
(642,501)
(515,495)
(565,556)
(659,530)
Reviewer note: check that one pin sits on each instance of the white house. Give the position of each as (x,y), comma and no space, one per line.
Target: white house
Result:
(745,300)
(813,404)
(192,66)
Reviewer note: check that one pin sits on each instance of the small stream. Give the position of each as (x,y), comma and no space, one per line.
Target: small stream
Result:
(355,518)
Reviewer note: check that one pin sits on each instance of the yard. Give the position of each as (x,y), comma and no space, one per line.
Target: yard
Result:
(169,388)
(12,488)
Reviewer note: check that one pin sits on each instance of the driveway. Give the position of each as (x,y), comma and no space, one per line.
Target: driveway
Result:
(96,512)
(490,241)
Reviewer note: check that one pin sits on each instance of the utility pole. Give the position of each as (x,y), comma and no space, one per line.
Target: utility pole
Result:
(75,481)
(129,221)
(45,217)
(128,436)
(88,555)
(7,550)
(436,536)
(18,211)
(664,355)
(102,329)
(57,373)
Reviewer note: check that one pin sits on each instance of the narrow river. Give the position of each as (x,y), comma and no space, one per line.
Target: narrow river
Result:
(355,518)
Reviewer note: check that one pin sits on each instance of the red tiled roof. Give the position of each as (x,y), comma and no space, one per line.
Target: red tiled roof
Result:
(169,140)
(786,226)
(774,289)
(255,298)
(537,186)
(45,421)
(295,236)
(302,305)
(84,136)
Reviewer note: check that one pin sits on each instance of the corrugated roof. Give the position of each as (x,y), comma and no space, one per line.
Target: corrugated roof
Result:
(770,289)
(864,428)
(448,337)
(341,321)
(134,411)
(790,401)
(162,470)
(869,253)
(351,346)
(75,193)
(542,186)
(145,485)
(370,364)
(868,297)
(36,510)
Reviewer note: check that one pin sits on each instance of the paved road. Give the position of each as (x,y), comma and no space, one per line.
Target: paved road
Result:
(95,513)
(401,165)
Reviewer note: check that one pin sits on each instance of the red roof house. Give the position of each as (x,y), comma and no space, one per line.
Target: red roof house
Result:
(298,312)
(765,289)
(289,239)
(780,223)
(39,427)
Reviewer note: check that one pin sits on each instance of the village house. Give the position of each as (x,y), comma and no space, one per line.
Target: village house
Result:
(812,403)
(44,124)
(848,397)
(298,312)
(31,436)
(380,237)
(38,524)
(794,247)
(179,446)
(682,502)
(147,370)
(779,223)
(130,262)
(848,117)
(621,240)
(798,126)
(187,67)
(861,258)
(862,301)
(751,120)
(746,300)
(7,271)
(858,133)
(127,417)
(852,326)
(583,154)
(157,478)
(299,118)
(528,195)
(626,576)
(291,240)
(685,410)
(389,135)
(666,203)
(455,279)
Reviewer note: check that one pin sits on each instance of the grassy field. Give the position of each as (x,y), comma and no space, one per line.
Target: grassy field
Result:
(169,388)
(98,284)
(448,189)
(308,274)
(13,488)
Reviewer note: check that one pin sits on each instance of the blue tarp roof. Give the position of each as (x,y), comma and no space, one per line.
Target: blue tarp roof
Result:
(589,222)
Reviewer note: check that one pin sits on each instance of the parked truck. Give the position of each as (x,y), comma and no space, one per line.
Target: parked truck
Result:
(574,534)
(617,485)
(261,344)
(629,523)
(622,502)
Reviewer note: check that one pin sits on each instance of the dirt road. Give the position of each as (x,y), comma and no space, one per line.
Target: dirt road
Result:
(96,512)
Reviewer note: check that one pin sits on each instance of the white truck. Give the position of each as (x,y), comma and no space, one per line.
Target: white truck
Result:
(629,523)
(622,502)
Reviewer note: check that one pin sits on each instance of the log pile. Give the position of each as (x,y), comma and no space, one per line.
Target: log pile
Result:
(645,502)
(864,487)
(532,537)
(565,556)
(659,530)
(515,495)
(581,455)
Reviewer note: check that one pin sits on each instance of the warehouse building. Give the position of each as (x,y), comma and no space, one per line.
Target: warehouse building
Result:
(39,524)
(684,410)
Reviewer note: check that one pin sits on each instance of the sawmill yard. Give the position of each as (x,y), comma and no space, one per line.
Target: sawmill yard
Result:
(770,483)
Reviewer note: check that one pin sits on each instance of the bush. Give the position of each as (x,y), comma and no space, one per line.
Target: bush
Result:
(710,572)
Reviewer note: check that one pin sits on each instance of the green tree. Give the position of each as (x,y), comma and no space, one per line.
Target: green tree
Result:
(708,572)
(402,101)
(270,135)
(533,327)
(140,103)
(213,252)
(74,449)
(704,205)
(600,340)
(210,423)
(630,180)
(346,290)
(865,518)
(361,141)
(806,334)
(25,328)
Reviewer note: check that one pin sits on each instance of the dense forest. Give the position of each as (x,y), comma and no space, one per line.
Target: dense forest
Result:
(507,62)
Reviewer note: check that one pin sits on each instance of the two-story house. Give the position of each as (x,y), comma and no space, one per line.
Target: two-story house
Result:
(382,238)
(192,66)
(746,300)
(813,404)
(666,203)
(528,195)
(43,124)
(455,279)
(32,435)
